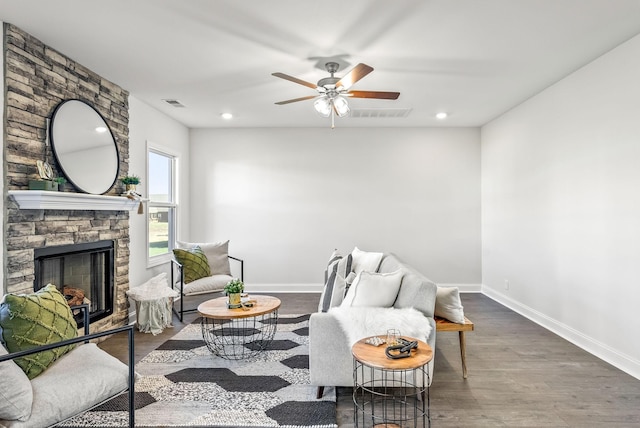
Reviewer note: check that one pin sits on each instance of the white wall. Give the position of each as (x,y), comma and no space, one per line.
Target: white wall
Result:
(148,124)
(561,207)
(287,197)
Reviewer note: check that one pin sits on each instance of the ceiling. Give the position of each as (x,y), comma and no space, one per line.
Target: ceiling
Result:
(474,59)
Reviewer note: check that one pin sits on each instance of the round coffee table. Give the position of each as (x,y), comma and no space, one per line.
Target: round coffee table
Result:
(391,393)
(239,333)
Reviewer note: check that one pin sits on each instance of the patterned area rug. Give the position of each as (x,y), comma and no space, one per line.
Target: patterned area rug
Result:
(183,384)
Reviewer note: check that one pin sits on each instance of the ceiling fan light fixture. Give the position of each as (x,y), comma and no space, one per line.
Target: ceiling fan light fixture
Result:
(323,106)
(341,105)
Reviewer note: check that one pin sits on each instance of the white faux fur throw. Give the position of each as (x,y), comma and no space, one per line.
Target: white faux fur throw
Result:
(360,322)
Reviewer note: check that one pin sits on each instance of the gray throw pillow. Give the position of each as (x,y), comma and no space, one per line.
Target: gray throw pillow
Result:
(335,285)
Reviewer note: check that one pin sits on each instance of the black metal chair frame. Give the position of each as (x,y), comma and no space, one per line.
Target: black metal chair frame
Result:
(176,264)
(86,338)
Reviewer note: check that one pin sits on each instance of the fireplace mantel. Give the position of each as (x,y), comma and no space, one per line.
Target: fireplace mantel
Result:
(46,200)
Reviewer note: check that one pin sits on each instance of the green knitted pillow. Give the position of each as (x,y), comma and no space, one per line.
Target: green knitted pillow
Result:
(194,263)
(31,320)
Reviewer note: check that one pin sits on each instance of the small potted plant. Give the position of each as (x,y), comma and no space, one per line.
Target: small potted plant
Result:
(61,183)
(130,182)
(233,290)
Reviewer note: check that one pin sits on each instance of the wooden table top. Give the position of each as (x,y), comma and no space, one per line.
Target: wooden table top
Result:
(445,325)
(217,308)
(374,356)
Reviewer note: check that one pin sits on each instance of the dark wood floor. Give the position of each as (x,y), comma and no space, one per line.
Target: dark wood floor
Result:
(520,374)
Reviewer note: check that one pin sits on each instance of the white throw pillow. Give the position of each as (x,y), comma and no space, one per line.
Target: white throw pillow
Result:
(217,255)
(365,260)
(448,304)
(16,394)
(374,289)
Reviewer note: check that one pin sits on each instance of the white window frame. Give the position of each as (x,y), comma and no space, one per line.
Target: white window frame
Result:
(172,205)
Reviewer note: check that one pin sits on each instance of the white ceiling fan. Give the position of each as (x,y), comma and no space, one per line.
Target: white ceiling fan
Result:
(333,91)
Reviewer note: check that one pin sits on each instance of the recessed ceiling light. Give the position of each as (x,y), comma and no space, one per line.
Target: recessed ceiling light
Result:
(226,116)
(442,115)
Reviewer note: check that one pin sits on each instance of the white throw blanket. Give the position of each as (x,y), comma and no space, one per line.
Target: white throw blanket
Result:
(360,322)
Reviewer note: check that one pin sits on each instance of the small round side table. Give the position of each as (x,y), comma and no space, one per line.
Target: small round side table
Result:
(387,392)
(239,333)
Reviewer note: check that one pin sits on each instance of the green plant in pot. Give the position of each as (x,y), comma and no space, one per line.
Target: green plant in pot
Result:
(233,290)
(130,182)
(61,182)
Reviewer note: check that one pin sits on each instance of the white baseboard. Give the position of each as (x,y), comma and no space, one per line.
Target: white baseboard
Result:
(617,359)
(317,288)
(464,288)
(283,288)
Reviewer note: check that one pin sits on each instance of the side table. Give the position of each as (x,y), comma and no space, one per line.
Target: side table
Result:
(391,393)
(239,333)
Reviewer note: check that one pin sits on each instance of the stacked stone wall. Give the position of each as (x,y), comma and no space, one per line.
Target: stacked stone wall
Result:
(37,79)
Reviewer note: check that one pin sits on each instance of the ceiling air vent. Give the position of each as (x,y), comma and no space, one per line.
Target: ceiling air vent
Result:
(380,112)
(174,103)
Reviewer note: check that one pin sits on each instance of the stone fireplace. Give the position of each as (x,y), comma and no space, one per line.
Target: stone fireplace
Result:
(36,79)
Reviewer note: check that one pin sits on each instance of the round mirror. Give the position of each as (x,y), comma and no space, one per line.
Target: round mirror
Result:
(84,146)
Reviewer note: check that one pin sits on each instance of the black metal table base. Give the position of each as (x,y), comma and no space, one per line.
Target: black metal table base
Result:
(239,338)
(390,398)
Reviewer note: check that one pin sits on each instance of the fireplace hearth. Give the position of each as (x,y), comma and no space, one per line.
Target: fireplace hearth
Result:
(82,272)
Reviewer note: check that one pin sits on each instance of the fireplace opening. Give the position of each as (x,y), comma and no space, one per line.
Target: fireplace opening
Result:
(82,272)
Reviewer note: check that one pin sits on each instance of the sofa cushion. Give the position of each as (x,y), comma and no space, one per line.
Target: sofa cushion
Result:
(336,283)
(374,289)
(365,260)
(31,320)
(195,264)
(16,394)
(207,284)
(217,255)
(97,376)
(448,304)
(416,291)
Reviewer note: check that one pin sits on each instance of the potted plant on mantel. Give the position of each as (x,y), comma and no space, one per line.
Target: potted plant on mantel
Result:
(233,290)
(130,182)
(61,183)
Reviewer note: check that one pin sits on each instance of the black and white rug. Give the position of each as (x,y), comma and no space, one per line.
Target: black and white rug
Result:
(183,384)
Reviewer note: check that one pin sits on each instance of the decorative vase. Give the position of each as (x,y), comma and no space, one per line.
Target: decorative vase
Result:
(234,301)
(130,187)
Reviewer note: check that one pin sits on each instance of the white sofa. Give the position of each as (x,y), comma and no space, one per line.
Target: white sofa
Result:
(330,358)
(79,380)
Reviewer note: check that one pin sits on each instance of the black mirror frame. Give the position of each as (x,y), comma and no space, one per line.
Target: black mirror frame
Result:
(55,154)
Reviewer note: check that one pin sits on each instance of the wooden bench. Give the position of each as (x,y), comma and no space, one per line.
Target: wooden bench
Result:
(446,325)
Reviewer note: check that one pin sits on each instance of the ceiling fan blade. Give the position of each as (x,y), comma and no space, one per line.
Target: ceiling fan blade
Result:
(357,73)
(295,100)
(295,80)
(374,94)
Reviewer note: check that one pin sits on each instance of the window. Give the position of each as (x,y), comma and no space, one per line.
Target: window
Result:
(162,206)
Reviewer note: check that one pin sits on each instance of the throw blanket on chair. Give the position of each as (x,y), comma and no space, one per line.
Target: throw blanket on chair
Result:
(360,322)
